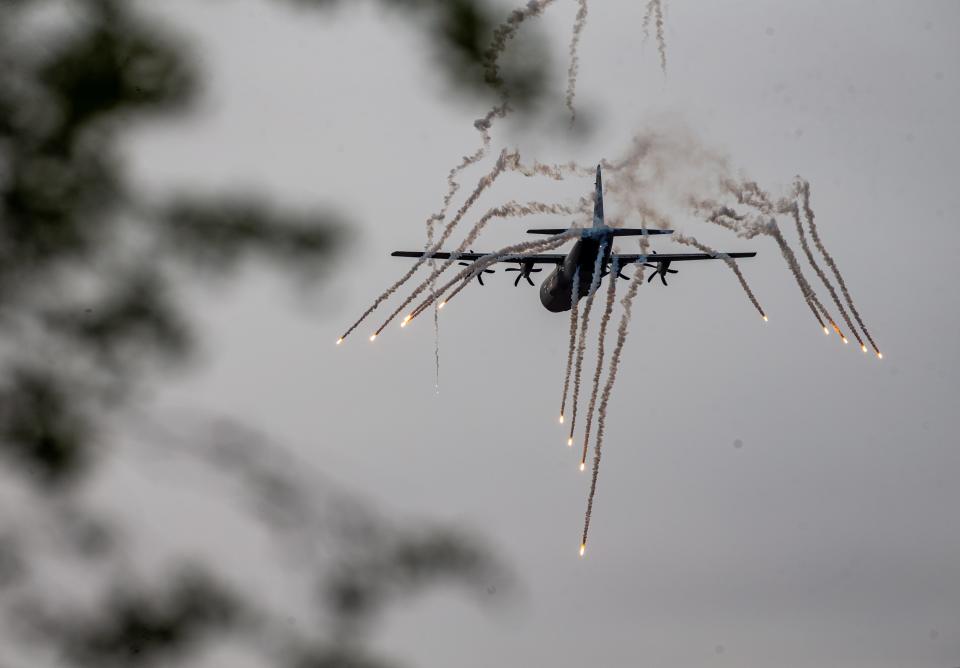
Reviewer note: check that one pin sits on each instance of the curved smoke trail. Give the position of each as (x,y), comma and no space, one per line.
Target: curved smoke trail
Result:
(622,331)
(730,262)
(601,344)
(516,251)
(751,194)
(511,209)
(748,228)
(503,34)
(482,185)
(555,172)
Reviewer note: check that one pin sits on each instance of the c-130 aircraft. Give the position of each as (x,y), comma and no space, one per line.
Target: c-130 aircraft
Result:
(556,292)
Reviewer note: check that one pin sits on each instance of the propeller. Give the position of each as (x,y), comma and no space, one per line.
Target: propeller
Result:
(606,272)
(479,274)
(662,269)
(526,268)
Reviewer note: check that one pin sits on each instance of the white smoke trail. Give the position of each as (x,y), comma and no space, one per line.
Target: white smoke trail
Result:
(482,185)
(654,12)
(436,349)
(622,331)
(574,311)
(483,127)
(555,172)
(730,262)
(805,192)
(751,194)
(582,339)
(601,343)
(503,34)
(647,18)
(808,294)
(748,228)
(491,58)
(510,209)
(516,251)
(578,25)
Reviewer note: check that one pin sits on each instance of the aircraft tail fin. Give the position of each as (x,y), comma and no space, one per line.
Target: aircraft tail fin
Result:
(598,202)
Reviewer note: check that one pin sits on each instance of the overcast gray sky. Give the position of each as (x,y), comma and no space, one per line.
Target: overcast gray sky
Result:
(830,537)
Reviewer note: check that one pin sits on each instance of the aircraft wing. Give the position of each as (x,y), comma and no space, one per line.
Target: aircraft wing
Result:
(542,258)
(654,258)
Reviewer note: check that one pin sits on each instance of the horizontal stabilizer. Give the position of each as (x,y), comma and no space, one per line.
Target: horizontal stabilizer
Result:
(636,232)
(614,231)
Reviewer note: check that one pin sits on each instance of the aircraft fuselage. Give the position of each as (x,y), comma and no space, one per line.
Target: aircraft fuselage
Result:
(556,291)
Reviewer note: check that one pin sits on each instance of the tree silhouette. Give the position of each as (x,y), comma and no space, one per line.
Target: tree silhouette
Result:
(90,311)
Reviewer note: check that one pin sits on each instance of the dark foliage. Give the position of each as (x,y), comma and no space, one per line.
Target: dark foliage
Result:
(90,309)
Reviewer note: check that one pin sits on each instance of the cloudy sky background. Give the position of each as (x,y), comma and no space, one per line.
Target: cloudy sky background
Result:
(828,537)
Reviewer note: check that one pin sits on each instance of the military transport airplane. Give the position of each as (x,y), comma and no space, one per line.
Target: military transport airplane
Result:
(557,290)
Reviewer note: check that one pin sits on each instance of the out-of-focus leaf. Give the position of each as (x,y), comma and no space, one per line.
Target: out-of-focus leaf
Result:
(119,64)
(337,657)
(139,627)
(217,234)
(52,208)
(412,561)
(11,560)
(41,425)
(137,319)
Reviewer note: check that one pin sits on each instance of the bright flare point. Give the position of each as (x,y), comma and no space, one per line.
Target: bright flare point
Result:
(879,355)
(570,442)
(766,319)
(373,337)
(561,418)
(582,466)
(826,331)
(863,347)
(583,548)
(845,340)
(441,305)
(340,340)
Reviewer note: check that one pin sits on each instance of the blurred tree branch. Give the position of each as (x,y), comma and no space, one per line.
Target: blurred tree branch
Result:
(89,305)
